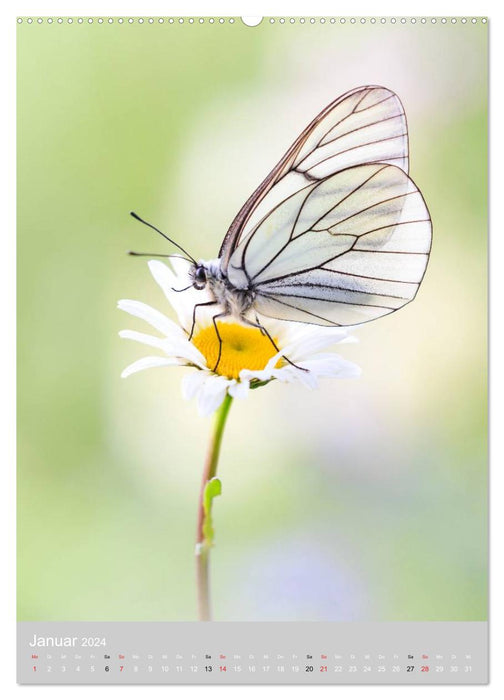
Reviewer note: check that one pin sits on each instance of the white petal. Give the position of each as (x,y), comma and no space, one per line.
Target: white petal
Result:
(301,343)
(294,374)
(155,318)
(312,344)
(212,394)
(148,362)
(172,285)
(191,383)
(175,343)
(349,339)
(292,332)
(263,375)
(186,350)
(182,301)
(144,338)
(240,390)
(332,366)
(164,277)
(180,266)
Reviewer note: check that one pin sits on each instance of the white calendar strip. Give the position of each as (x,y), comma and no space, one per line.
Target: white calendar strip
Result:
(241,652)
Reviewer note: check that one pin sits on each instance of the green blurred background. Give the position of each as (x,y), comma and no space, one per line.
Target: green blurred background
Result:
(364,500)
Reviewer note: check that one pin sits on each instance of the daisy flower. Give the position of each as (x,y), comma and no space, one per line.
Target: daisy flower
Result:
(248,357)
(244,359)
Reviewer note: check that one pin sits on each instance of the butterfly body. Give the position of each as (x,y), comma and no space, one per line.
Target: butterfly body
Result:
(233,301)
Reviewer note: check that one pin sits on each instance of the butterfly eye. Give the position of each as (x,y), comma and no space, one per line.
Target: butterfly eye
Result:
(200,278)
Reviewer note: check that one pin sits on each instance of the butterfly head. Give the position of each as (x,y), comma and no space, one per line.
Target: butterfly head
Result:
(198,275)
(206,273)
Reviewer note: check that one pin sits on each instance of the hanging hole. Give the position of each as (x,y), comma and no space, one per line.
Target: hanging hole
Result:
(251,21)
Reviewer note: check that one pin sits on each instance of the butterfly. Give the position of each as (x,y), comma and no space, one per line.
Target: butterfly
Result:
(337,234)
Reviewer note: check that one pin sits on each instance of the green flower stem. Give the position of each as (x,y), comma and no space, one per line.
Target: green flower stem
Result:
(204,530)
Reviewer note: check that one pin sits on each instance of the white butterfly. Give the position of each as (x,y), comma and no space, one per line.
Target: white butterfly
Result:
(337,234)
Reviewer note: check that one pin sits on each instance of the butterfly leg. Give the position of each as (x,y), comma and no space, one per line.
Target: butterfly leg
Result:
(214,319)
(265,332)
(205,303)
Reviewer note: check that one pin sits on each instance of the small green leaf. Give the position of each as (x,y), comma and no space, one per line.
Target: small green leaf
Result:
(213,488)
(256,383)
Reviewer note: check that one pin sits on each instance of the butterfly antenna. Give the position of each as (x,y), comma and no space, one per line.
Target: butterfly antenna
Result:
(158,255)
(142,221)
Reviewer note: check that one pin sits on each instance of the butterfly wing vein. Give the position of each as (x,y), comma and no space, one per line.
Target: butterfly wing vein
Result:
(337,234)
(343,251)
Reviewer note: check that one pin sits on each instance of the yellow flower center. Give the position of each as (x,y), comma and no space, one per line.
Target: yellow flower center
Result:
(243,347)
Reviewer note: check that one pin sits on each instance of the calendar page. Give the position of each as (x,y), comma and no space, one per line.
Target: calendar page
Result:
(252,389)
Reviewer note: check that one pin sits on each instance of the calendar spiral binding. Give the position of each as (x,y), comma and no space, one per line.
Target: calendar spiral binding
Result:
(195,21)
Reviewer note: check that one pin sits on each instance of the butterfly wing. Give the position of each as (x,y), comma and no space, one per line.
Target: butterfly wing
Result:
(365,125)
(343,250)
